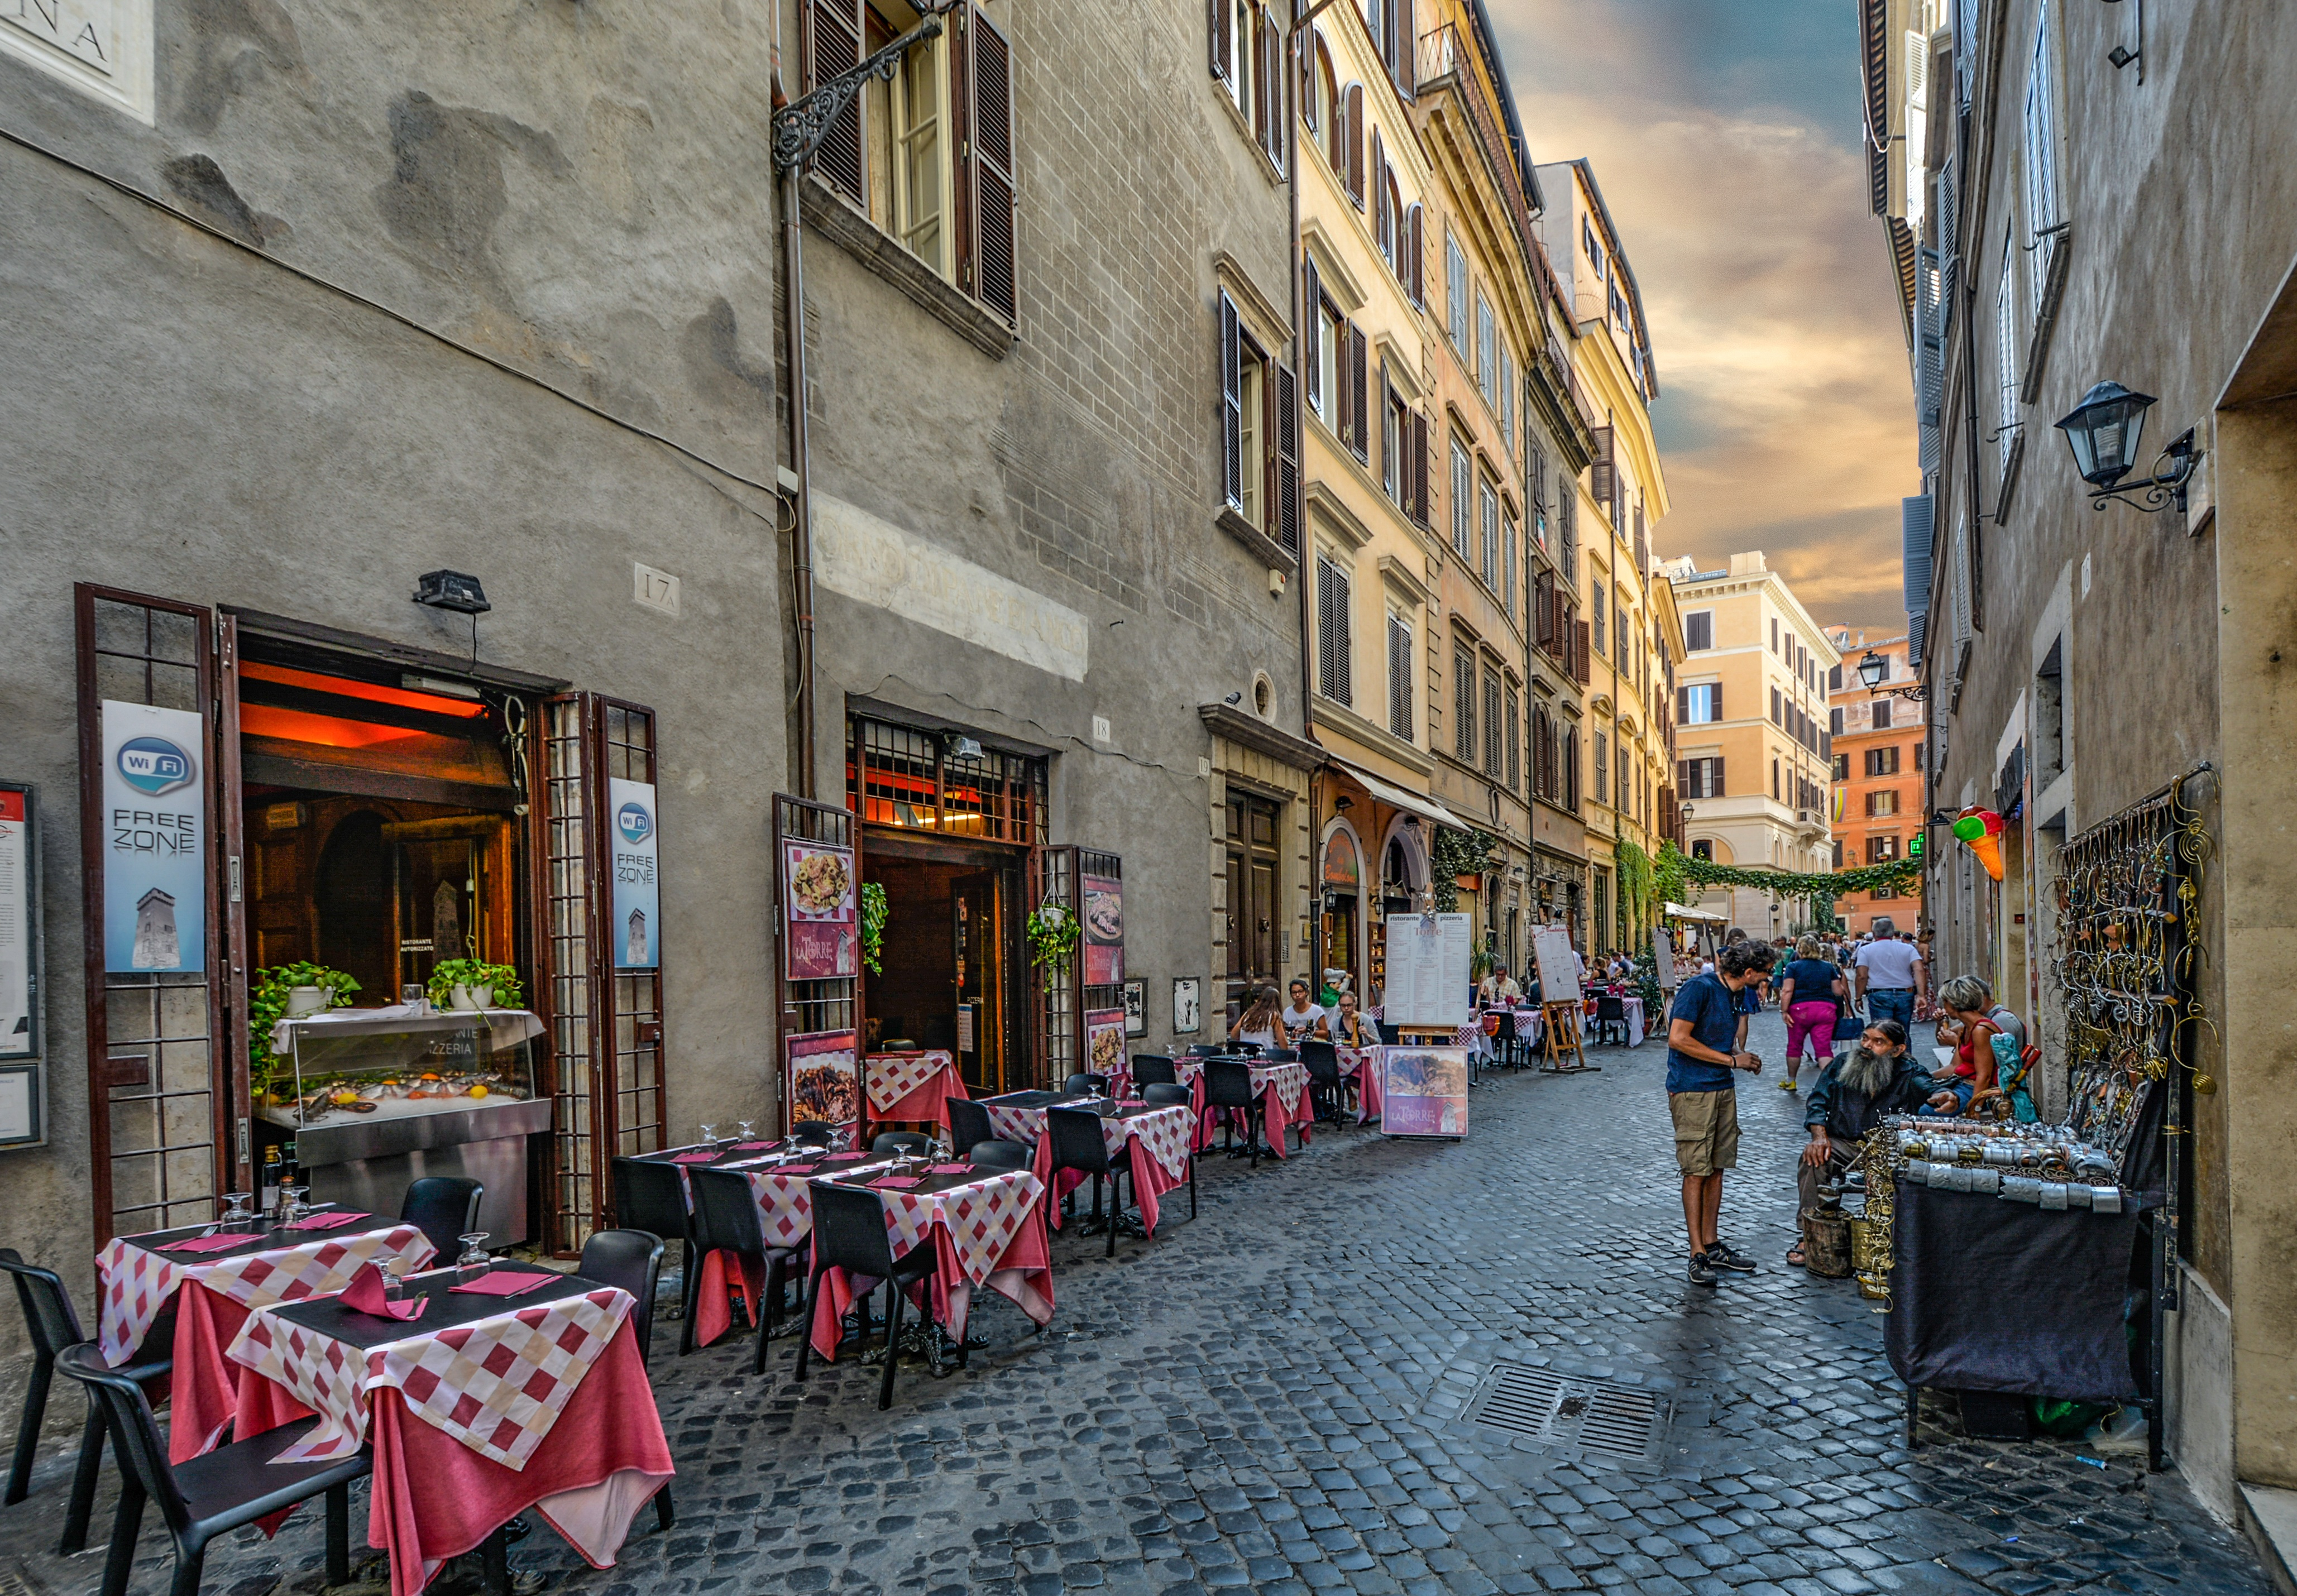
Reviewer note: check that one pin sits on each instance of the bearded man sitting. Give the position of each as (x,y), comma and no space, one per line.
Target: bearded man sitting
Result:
(1854,1094)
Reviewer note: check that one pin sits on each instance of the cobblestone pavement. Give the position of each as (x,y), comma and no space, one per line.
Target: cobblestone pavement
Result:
(1273,1398)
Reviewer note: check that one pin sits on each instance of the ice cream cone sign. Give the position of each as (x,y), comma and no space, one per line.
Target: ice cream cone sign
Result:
(1980,829)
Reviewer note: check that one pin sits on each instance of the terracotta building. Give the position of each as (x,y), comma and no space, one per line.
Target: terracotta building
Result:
(1876,806)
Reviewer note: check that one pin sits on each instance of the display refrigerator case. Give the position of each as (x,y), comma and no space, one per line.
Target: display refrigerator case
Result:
(375,1099)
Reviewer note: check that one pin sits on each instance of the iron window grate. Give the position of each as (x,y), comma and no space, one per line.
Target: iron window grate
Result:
(1592,1418)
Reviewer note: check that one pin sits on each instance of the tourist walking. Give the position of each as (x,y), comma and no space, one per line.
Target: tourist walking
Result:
(1702,1099)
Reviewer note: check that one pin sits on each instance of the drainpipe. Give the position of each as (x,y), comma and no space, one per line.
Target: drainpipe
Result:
(801,529)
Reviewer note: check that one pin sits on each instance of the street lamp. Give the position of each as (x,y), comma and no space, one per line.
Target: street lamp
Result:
(2104,429)
(1874,668)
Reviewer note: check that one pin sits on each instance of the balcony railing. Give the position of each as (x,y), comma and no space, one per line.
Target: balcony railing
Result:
(1443,55)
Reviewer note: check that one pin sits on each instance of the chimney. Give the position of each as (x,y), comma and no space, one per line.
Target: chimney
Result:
(1748,565)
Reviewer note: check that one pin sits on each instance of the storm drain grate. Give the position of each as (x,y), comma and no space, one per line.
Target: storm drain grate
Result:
(1593,1417)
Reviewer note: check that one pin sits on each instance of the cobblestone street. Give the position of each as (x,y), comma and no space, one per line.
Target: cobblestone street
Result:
(1275,1398)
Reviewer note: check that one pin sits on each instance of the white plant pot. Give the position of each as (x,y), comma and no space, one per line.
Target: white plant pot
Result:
(308,1000)
(459,997)
(482,997)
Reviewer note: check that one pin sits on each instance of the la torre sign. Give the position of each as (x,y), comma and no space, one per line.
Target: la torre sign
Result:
(102,47)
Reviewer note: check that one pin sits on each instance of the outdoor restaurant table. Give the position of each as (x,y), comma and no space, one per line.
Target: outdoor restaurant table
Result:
(1282,1090)
(1363,1066)
(214,1290)
(484,1408)
(912,1086)
(985,1228)
(1155,1140)
(785,1219)
(1988,1295)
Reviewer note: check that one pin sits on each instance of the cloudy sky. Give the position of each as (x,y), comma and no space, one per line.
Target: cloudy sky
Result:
(1726,136)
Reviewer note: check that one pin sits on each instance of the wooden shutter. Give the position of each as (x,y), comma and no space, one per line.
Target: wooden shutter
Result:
(1355,137)
(982,99)
(1383,225)
(1288,460)
(166,1096)
(1406,70)
(833,41)
(1715,788)
(1311,331)
(1231,423)
(1416,250)
(1419,508)
(1600,477)
(1358,380)
(1220,17)
(1399,679)
(1582,660)
(1275,77)
(1682,705)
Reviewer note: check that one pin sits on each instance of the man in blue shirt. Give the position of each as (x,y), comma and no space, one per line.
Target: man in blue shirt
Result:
(1702,1034)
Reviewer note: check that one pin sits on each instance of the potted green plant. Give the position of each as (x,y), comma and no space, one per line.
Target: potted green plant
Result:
(874,910)
(1053,935)
(470,983)
(289,989)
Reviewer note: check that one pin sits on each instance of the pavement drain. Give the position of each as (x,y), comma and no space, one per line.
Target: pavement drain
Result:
(1575,1417)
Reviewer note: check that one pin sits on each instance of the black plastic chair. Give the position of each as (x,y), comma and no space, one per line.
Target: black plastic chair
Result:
(1205,1049)
(1077,1144)
(445,1209)
(1280,1055)
(1503,1041)
(849,1233)
(1096,1084)
(212,1494)
(1228,1085)
(48,1315)
(906,1142)
(648,1196)
(1167,1094)
(632,1260)
(1152,1069)
(814,1133)
(968,1123)
(1611,1015)
(989,1153)
(726,1219)
(1323,1060)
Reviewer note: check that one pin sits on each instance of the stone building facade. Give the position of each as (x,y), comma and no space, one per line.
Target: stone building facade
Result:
(1876,812)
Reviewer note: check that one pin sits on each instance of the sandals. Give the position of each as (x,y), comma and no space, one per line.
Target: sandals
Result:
(1795,1259)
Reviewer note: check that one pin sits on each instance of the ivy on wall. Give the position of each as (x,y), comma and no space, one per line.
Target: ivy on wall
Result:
(1819,890)
(1454,853)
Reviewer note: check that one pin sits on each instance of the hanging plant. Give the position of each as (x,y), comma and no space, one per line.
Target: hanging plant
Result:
(1053,935)
(1902,876)
(266,1005)
(873,925)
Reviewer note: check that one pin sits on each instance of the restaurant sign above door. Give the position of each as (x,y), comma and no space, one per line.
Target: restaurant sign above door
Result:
(154,840)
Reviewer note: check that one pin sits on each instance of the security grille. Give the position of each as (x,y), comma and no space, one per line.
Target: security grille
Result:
(1587,1417)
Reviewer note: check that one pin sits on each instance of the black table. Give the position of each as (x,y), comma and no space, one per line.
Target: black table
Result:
(329,1317)
(267,1238)
(1994,1296)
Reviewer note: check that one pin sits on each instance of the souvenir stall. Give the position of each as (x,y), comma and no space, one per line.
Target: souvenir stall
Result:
(2018,1260)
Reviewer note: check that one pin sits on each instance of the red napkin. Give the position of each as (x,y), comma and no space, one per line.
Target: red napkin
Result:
(756,1146)
(953,1169)
(796,1169)
(365,1295)
(895,1182)
(206,1244)
(845,1157)
(694,1158)
(505,1282)
(325,1221)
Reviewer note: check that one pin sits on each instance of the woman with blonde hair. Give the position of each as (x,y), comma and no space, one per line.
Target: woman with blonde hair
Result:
(1810,995)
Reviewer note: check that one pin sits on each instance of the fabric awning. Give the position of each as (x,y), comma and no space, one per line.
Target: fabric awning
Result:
(1677,911)
(1396,797)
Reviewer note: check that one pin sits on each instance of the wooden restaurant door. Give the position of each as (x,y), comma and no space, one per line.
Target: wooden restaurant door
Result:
(980,903)
(1252,871)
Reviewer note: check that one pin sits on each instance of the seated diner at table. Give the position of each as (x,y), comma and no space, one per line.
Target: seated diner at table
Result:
(1302,1016)
(1259,1023)
(1498,989)
(1346,1025)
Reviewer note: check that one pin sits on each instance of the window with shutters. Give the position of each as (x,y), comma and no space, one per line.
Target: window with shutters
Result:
(1487,530)
(1602,768)
(1625,630)
(1535,486)
(928,154)
(1463,706)
(1327,356)
(1494,729)
(1701,704)
(1463,500)
(1455,294)
(1882,762)
(1252,446)
(1319,102)
(1698,632)
(2039,165)
(1259,434)
(1701,778)
(1413,275)
(1595,618)
(1399,679)
(1391,439)
(1774,778)
(1567,516)
(2005,356)
(1571,768)
(1882,803)
(1626,788)
(1507,536)
(1333,676)
(1881,714)
(1487,352)
(1350,167)
(1514,739)
(1842,767)
(1834,721)
(1881,850)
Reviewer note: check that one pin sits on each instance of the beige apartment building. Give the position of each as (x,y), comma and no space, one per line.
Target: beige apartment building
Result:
(1876,811)
(1630,646)
(1753,749)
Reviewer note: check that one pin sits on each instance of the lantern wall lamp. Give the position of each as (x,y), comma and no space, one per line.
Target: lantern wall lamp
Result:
(2102,431)
(1874,668)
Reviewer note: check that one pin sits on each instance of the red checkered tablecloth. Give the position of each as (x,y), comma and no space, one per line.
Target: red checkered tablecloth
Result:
(134,1283)
(892,1076)
(1287,1080)
(496,1385)
(989,1232)
(982,1217)
(1163,1132)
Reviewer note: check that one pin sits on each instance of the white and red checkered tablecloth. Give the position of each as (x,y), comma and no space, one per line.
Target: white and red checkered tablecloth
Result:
(1163,1133)
(134,1283)
(912,1086)
(987,1232)
(1282,1089)
(496,1385)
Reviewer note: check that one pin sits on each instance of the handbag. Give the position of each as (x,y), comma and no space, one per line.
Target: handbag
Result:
(1847,1025)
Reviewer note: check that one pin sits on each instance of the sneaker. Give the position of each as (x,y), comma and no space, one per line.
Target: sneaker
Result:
(1786,1086)
(1720,1256)
(1700,1274)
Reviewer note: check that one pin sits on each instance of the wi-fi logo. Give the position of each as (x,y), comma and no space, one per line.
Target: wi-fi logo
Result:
(154,765)
(633,821)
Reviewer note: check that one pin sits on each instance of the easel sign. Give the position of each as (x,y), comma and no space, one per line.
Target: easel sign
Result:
(1562,1009)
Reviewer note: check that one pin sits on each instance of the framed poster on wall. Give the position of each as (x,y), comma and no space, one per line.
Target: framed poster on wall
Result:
(154,825)
(635,843)
(1104,931)
(822,1084)
(818,899)
(1188,1004)
(1136,1007)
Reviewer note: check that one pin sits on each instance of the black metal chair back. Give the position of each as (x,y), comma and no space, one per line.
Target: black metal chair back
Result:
(1390,1034)
(1074,1134)
(445,1208)
(649,1195)
(725,1212)
(1322,1062)
(631,1260)
(1152,1069)
(1165,1094)
(814,1133)
(849,1231)
(906,1142)
(968,1123)
(1282,1055)
(989,1153)
(1096,1084)
(1228,1083)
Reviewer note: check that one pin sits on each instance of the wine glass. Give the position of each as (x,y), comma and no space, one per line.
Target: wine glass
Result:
(748,1129)
(473,1264)
(291,1207)
(394,1280)
(238,1212)
(410,996)
(709,1138)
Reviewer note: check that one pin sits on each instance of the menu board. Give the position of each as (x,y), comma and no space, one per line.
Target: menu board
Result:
(1558,966)
(1663,957)
(1429,988)
(1104,931)
(818,898)
(822,1083)
(1423,1090)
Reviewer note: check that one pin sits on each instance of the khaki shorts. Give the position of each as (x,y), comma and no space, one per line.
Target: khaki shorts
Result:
(1706,1130)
